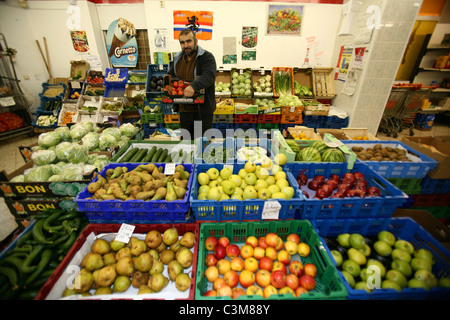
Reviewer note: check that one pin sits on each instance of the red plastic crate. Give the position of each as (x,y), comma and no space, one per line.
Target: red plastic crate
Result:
(431,200)
(245,118)
(97,229)
(269,118)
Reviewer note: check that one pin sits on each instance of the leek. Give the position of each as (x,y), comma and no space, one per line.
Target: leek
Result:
(283,83)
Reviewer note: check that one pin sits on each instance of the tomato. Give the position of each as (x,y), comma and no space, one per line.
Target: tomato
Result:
(175,84)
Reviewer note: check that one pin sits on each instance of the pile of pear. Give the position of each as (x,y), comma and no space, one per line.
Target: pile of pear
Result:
(148,265)
(145,182)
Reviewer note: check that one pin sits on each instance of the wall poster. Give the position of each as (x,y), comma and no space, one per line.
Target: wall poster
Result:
(284,19)
(121,44)
(199,21)
(79,41)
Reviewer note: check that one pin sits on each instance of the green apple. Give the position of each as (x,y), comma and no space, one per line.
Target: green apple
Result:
(224,196)
(213,173)
(419,263)
(242,173)
(401,266)
(214,184)
(236,179)
(379,265)
(213,194)
(250,193)
(204,189)
(401,255)
(243,184)
(261,184)
(343,240)
(225,173)
(349,278)
(270,180)
(289,192)
(220,189)
(404,245)
(362,285)
(425,275)
(261,173)
(351,267)
(219,179)
(444,282)
(390,284)
(337,256)
(278,195)
(382,248)
(357,256)
(273,188)
(202,196)
(364,275)
(357,241)
(238,190)
(282,183)
(424,254)
(203,178)
(415,283)
(366,250)
(228,187)
(250,166)
(397,276)
(236,196)
(264,194)
(250,178)
(387,237)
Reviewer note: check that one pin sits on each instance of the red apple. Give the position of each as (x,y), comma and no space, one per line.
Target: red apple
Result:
(358,175)
(232,251)
(224,291)
(262,242)
(302,179)
(314,184)
(277,265)
(272,239)
(343,188)
(210,293)
(292,281)
(351,193)
(361,183)
(310,269)
(262,278)
(220,251)
(373,192)
(307,282)
(265,263)
(294,237)
(237,292)
(347,181)
(210,243)
(246,278)
(306,194)
(360,193)
(338,194)
(252,240)
(321,193)
(320,178)
(296,268)
(332,183)
(349,175)
(335,177)
(210,260)
(300,290)
(328,189)
(231,278)
(224,241)
(278,279)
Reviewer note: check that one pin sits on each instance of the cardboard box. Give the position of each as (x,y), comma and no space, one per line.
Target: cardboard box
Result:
(258,74)
(337,133)
(319,110)
(437,149)
(225,77)
(25,207)
(358,134)
(245,106)
(304,77)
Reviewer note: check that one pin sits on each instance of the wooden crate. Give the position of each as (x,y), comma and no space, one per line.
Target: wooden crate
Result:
(323,83)
(78,69)
(299,131)
(319,110)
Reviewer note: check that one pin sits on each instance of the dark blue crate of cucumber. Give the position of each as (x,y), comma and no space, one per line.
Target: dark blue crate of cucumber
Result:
(402,228)
(335,122)
(155,74)
(134,211)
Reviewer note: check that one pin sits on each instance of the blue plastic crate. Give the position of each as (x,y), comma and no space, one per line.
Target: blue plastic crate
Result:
(46,86)
(141,73)
(245,129)
(348,207)
(418,168)
(46,113)
(334,122)
(134,210)
(429,185)
(150,129)
(123,74)
(202,144)
(238,210)
(403,228)
(155,70)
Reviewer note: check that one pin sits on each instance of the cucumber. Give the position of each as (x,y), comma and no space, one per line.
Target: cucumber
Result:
(127,157)
(168,158)
(139,156)
(150,154)
(175,156)
(156,155)
(163,155)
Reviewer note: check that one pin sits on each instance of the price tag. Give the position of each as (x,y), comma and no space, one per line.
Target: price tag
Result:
(125,233)
(169,168)
(7,102)
(161,67)
(271,210)
(75,84)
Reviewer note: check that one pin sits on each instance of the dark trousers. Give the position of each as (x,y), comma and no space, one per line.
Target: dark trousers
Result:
(195,123)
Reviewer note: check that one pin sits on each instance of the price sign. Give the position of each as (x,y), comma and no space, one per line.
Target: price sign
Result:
(169,168)
(271,210)
(125,232)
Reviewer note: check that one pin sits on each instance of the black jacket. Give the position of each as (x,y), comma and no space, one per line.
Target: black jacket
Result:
(204,75)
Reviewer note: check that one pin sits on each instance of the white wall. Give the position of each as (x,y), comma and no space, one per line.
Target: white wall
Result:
(22,27)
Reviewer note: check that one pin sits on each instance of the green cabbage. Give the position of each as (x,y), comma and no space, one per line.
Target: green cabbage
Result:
(48,139)
(106,141)
(114,131)
(72,172)
(64,133)
(19,178)
(38,174)
(77,153)
(78,131)
(128,130)
(91,140)
(61,150)
(43,157)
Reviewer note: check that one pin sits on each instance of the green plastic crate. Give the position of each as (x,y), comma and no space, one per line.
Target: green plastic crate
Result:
(172,126)
(147,117)
(407,185)
(329,286)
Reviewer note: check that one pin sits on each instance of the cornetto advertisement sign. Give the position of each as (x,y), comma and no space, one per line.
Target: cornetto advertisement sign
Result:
(121,44)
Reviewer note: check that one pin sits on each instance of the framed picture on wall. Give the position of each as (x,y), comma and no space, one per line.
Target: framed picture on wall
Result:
(284,19)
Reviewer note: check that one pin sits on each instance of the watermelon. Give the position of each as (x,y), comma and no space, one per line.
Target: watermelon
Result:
(333,155)
(310,154)
(319,145)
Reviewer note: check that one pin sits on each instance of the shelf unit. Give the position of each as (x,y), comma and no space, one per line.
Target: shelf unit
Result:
(14,102)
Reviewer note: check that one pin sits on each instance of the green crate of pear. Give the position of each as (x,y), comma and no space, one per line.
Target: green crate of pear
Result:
(398,263)
(145,182)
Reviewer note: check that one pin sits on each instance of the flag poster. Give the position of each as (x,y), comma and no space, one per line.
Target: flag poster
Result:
(199,21)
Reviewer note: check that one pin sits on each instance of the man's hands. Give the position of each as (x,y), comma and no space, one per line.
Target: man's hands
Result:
(189,92)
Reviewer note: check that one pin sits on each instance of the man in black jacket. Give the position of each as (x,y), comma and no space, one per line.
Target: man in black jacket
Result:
(197,65)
